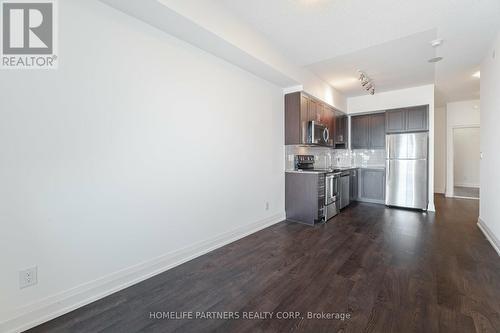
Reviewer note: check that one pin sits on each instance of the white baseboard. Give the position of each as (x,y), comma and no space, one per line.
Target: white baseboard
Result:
(467,185)
(69,300)
(462,197)
(489,235)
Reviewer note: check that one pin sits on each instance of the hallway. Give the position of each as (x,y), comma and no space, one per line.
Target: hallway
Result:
(466,192)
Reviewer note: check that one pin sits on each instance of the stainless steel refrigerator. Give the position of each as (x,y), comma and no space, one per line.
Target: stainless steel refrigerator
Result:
(407,170)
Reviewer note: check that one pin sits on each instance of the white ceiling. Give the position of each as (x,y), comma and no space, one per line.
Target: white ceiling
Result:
(406,67)
(386,38)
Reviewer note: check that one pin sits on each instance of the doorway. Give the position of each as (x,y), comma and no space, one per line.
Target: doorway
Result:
(466,162)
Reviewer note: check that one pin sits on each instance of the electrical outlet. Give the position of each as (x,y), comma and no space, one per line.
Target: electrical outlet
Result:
(28,277)
(267,205)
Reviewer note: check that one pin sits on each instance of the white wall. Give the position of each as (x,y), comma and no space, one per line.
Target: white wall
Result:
(214,28)
(458,115)
(466,156)
(401,98)
(440,150)
(222,22)
(137,153)
(490,134)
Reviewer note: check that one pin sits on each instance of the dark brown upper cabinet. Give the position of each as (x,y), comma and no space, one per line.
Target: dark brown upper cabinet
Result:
(411,119)
(315,110)
(417,118)
(301,108)
(328,118)
(341,132)
(359,132)
(296,114)
(368,131)
(377,131)
(395,120)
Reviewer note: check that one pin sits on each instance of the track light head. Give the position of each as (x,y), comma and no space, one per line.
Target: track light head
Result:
(366,82)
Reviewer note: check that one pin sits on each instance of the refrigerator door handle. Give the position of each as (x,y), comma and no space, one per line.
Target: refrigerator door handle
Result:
(387,141)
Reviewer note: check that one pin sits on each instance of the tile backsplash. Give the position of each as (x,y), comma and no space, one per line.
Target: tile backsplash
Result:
(327,157)
(366,157)
(323,156)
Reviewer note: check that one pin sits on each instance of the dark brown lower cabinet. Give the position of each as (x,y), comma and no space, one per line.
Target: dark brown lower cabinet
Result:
(305,197)
(372,185)
(354,184)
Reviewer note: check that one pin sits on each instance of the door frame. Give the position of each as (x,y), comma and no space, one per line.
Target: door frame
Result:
(450,161)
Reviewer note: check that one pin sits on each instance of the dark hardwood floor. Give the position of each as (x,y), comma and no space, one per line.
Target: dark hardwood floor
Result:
(391,270)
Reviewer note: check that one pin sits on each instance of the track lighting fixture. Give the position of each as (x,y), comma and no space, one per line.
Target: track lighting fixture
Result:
(366,82)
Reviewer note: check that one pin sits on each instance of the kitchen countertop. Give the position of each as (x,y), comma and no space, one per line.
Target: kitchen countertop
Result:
(377,167)
(310,172)
(345,168)
(361,167)
(338,169)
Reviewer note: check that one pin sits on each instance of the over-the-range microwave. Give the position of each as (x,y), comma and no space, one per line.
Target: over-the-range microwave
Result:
(317,133)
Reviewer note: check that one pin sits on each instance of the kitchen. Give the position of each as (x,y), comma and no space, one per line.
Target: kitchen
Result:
(333,159)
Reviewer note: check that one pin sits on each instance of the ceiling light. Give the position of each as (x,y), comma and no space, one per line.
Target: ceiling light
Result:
(436,42)
(477,74)
(366,82)
(436,59)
